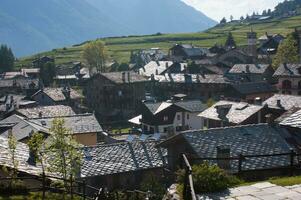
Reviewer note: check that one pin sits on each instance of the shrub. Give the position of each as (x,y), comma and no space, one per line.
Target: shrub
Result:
(15,187)
(209,178)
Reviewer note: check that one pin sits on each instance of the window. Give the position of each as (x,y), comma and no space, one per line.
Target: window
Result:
(165,118)
(179,117)
(299,85)
(286,84)
(165,130)
(188,116)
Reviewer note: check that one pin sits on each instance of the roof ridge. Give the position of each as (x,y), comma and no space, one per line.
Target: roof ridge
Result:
(65,116)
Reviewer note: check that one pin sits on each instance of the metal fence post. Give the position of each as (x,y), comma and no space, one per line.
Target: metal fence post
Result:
(292,157)
(84,189)
(240,160)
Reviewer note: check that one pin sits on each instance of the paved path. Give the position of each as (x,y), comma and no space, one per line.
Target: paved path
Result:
(258,191)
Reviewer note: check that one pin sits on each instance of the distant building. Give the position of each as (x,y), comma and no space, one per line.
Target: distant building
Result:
(251,92)
(41,61)
(161,67)
(45,111)
(115,95)
(57,96)
(84,128)
(227,113)
(197,86)
(20,85)
(171,117)
(269,44)
(289,79)
(251,73)
(181,52)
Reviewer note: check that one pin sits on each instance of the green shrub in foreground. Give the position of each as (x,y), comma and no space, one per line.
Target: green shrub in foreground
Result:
(209,178)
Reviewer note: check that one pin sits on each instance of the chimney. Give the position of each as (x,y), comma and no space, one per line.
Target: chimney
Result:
(258,101)
(188,78)
(222,111)
(123,77)
(40,114)
(166,65)
(129,77)
(270,119)
(248,69)
(279,103)
(223,151)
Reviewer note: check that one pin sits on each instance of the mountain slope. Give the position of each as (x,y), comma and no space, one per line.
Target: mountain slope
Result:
(31,26)
(120,48)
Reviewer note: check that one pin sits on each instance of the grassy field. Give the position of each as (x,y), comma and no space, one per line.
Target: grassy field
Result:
(120,47)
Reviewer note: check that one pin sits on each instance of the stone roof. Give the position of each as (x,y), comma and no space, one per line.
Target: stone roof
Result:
(293,70)
(249,68)
(22,155)
(188,105)
(78,124)
(238,111)
(191,105)
(293,120)
(21,128)
(286,101)
(192,78)
(23,83)
(123,157)
(259,139)
(57,94)
(46,111)
(254,87)
(155,68)
(116,77)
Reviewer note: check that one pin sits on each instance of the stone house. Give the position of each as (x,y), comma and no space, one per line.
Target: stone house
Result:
(251,73)
(289,79)
(180,52)
(115,95)
(195,86)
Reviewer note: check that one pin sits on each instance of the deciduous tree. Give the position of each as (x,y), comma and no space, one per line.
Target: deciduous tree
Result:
(287,52)
(95,54)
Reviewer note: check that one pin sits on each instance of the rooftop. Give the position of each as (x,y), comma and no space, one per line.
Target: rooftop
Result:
(283,101)
(293,120)
(117,77)
(259,139)
(78,124)
(46,111)
(155,68)
(293,70)
(192,78)
(122,157)
(249,68)
(237,114)
(57,94)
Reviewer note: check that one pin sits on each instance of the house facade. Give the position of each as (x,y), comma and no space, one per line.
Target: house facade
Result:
(171,117)
(289,79)
(115,95)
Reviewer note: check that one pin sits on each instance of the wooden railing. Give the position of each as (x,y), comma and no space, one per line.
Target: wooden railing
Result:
(188,191)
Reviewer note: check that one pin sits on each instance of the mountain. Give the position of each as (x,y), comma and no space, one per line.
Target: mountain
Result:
(33,25)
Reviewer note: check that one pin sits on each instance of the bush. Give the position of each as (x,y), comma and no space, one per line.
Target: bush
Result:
(16,187)
(209,178)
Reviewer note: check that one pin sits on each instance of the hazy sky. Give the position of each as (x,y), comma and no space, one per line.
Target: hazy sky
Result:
(217,9)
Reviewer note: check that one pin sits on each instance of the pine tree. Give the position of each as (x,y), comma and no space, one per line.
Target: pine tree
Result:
(223,21)
(7,59)
(230,42)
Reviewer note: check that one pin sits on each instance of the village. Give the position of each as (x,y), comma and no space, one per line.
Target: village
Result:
(226,104)
(192,122)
